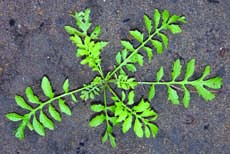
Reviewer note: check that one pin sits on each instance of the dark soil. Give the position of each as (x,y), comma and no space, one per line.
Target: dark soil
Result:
(33,43)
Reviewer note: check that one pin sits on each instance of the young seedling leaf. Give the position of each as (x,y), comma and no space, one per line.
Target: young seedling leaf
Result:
(71,30)
(206,72)
(63,107)
(147,132)
(165,16)
(96,121)
(160,74)
(149,53)
(20,102)
(207,95)
(38,127)
(77,40)
(157,17)
(148,23)
(127,45)
(214,83)
(154,129)
(46,122)
(124,53)
(14,117)
(164,39)
(151,93)
(172,95)
(104,137)
(131,97)
(137,35)
(46,87)
(20,130)
(173,19)
(176,69)
(54,113)
(157,45)
(174,29)
(73,98)
(96,32)
(122,116)
(66,86)
(97,107)
(31,97)
(131,67)
(142,106)
(138,128)
(186,98)
(118,58)
(190,69)
(127,123)
(112,140)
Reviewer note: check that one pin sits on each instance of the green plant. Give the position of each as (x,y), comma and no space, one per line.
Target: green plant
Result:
(121,107)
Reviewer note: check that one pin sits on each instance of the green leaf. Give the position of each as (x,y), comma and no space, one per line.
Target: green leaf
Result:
(66,86)
(77,40)
(149,113)
(112,140)
(172,95)
(165,16)
(142,106)
(147,132)
(96,32)
(174,29)
(131,97)
(124,53)
(105,137)
(153,129)
(140,60)
(138,128)
(207,95)
(46,87)
(54,113)
(158,46)
(96,121)
(131,67)
(63,107)
(214,83)
(122,116)
(123,96)
(31,97)
(206,72)
(20,130)
(173,19)
(151,93)
(46,122)
(160,74)
(14,117)
(38,127)
(164,39)
(20,102)
(149,53)
(97,107)
(73,98)
(148,24)
(137,35)
(127,45)
(176,69)
(186,98)
(71,30)
(157,17)
(118,58)
(127,124)
(190,69)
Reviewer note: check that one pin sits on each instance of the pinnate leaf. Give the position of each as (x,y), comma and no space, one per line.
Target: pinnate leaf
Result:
(131,67)
(14,117)
(165,16)
(96,32)
(97,107)
(157,45)
(20,102)
(151,93)
(142,106)
(137,35)
(190,69)
(214,83)
(207,95)
(160,74)
(46,122)
(138,128)
(38,127)
(96,121)
(174,29)
(127,124)
(54,113)
(148,23)
(31,97)
(118,58)
(164,39)
(172,95)
(149,53)
(112,140)
(63,107)
(176,69)
(131,97)
(147,132)
(127,45)
(66,86)
(154,129)
(186,98)
(157,17)
(46,87)
(73,98)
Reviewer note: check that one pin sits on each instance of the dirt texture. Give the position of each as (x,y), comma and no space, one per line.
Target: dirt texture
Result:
(33,43)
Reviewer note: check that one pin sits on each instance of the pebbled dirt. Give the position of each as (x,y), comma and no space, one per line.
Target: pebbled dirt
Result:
(33,43)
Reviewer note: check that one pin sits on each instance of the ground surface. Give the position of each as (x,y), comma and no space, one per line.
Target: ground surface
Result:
(33,43)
